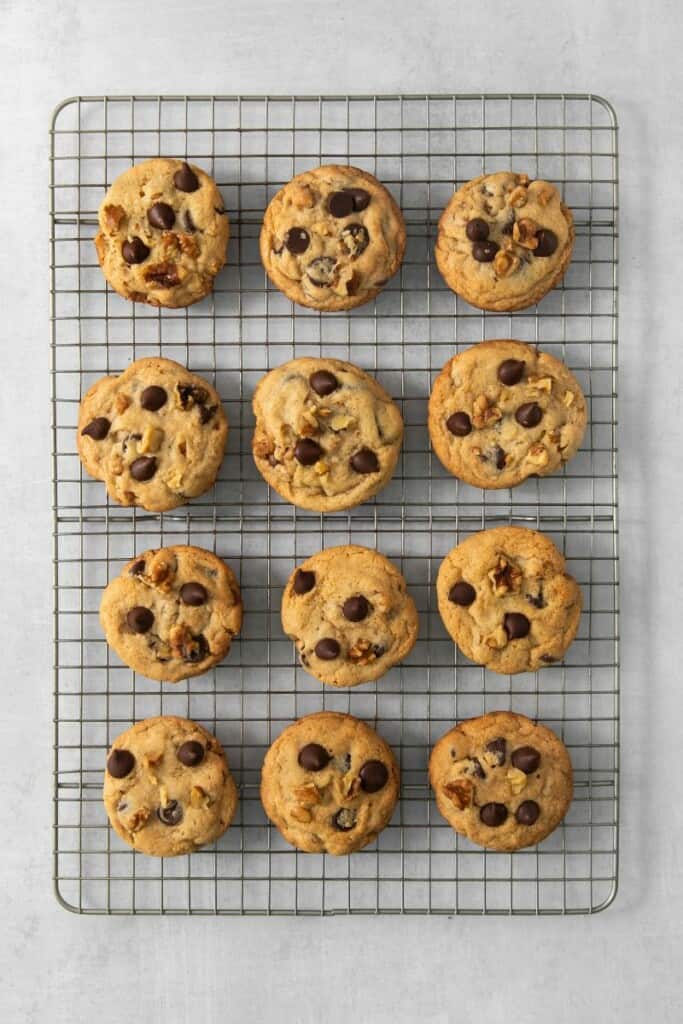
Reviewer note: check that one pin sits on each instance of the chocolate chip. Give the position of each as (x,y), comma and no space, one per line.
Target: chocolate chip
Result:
(120,763)
(459,424)
(529,415)
(361,198)
(462,593)
(355,238)
(477,230)
(140,619)
(171,814)
(527,812)
(97,428)
(516,625)
(185,180)
(373,776)
(134,250)
(303,581)
(547,242)
(297,240)
(190,395)
(355,609)
(340,204)
(307,451)
(484,252)
(206,412)
(162,216)
(499,457)
(152,398)
(345,819)
(138,567)
(548,659)
(193,594)
(189,223)
(143,468)
(327,649)
(195,649)
(510,371)
(537,599)
(527,759)
(313,757)
(493,815)
(509,225)
(323,382)
(497,748)
(321,271)
(476,769)
(365,461)
(191,753)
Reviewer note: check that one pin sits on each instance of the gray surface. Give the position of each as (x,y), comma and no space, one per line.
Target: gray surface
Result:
(618,965)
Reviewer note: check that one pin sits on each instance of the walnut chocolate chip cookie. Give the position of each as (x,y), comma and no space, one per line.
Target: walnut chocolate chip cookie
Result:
(163,233)
(155,434)
(329,783)
(507,600)
(332,238)
(502,780)
(172,613)
(350,615)
(167,787)
(501,411)
(327,436)
(504,241)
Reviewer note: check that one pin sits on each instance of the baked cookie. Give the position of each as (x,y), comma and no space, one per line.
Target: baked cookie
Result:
(504,241)
(501,780)
(327,436)
(501,411)
(155,434)
(163,233)
(329,783)
(332,238)
(167,787)
(506,599)
(349,613)
(172,613)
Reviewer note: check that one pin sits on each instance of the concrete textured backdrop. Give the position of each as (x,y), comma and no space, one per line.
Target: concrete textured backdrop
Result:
(617,966)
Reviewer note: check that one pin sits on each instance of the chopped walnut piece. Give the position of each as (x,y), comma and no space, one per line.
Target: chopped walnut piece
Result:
(301,814)
(497,640)
(524,232)
(544,194)
(307,795)
(540,383)
(483,414)
(523,179)
(460,793)
(517,780)
(137,819)
(505,263)
(339,422)
(518,196)
(151,440)
(568,398)
(116,465)
(188,245)
(198,798)
(113,216)
(302,197)
(321,467)
(505,577)
(363,652)
(263,446)
(121,402)
(159,569)
(538,455)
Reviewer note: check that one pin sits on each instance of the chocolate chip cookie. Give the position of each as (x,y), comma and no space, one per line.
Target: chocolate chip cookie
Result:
(163,233)
(506,599)
(167,787)
(172,613)
(155,434)
(332,238)
(349,613)
(327,436)
(502,780)
(329,783)
(504,241)
(501,411)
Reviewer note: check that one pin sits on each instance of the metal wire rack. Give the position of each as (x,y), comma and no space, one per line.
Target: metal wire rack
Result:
(421,147)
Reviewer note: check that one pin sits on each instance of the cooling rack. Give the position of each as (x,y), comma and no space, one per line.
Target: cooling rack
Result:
(421,147)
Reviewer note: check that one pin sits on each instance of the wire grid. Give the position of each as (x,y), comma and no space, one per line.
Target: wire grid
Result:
(422,147)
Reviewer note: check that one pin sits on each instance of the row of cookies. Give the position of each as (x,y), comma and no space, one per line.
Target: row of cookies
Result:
(331,238)
(327,436)
(330,783)
(504,596)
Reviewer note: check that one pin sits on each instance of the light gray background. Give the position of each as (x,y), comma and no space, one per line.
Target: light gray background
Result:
(619,966)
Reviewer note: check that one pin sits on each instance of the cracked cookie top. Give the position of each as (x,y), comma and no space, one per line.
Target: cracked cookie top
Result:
(332,238)
(501,411)
(504,241)
(327,436)
(502,780)
(155,434)
(507,601)
(167,787)
(163,233)
(350,615)
(172,613)
(329,783)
